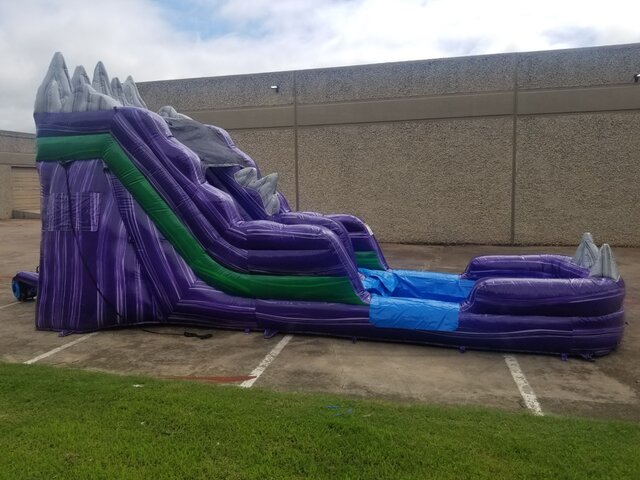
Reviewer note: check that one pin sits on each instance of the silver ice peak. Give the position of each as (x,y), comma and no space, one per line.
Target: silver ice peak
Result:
(605,265)
(59,93)
(587,252)
(265,186)
(169,112)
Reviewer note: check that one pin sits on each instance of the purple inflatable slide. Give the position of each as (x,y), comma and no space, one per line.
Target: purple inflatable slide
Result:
(157,219)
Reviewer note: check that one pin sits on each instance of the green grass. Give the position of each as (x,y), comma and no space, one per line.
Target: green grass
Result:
(60,423)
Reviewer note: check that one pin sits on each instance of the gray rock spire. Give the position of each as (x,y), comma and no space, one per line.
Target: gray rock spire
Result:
(131,94)
(55,88)
(605,265)
(587,252)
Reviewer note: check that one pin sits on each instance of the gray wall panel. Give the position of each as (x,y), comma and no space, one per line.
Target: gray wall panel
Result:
(16,149)
(6,193)
(17,142)
(578,173)
(594,99)
(580,67)
(426,181)
(483,73)
(443,106)
(268,117)
(234,91)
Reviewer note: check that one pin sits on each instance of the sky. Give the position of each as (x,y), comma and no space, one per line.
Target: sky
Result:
(167,39)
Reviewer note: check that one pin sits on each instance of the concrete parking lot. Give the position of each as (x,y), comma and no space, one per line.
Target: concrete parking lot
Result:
(608,387)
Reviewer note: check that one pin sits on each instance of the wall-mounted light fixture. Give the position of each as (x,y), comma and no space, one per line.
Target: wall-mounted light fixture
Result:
(276,88)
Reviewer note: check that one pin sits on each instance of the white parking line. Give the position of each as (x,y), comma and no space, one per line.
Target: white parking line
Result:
(527,393)
(9,305)
(266,361)
(60,348)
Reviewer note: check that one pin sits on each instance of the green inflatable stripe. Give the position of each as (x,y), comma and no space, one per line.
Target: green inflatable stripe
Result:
(282,287)
(368,259)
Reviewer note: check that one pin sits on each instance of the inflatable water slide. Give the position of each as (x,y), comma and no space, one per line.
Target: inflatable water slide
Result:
(155,218)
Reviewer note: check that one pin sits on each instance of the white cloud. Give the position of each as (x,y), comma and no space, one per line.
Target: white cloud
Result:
(169,39)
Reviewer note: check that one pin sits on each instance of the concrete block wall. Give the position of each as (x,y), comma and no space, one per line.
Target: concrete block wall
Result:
(17,170)
(526,148)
